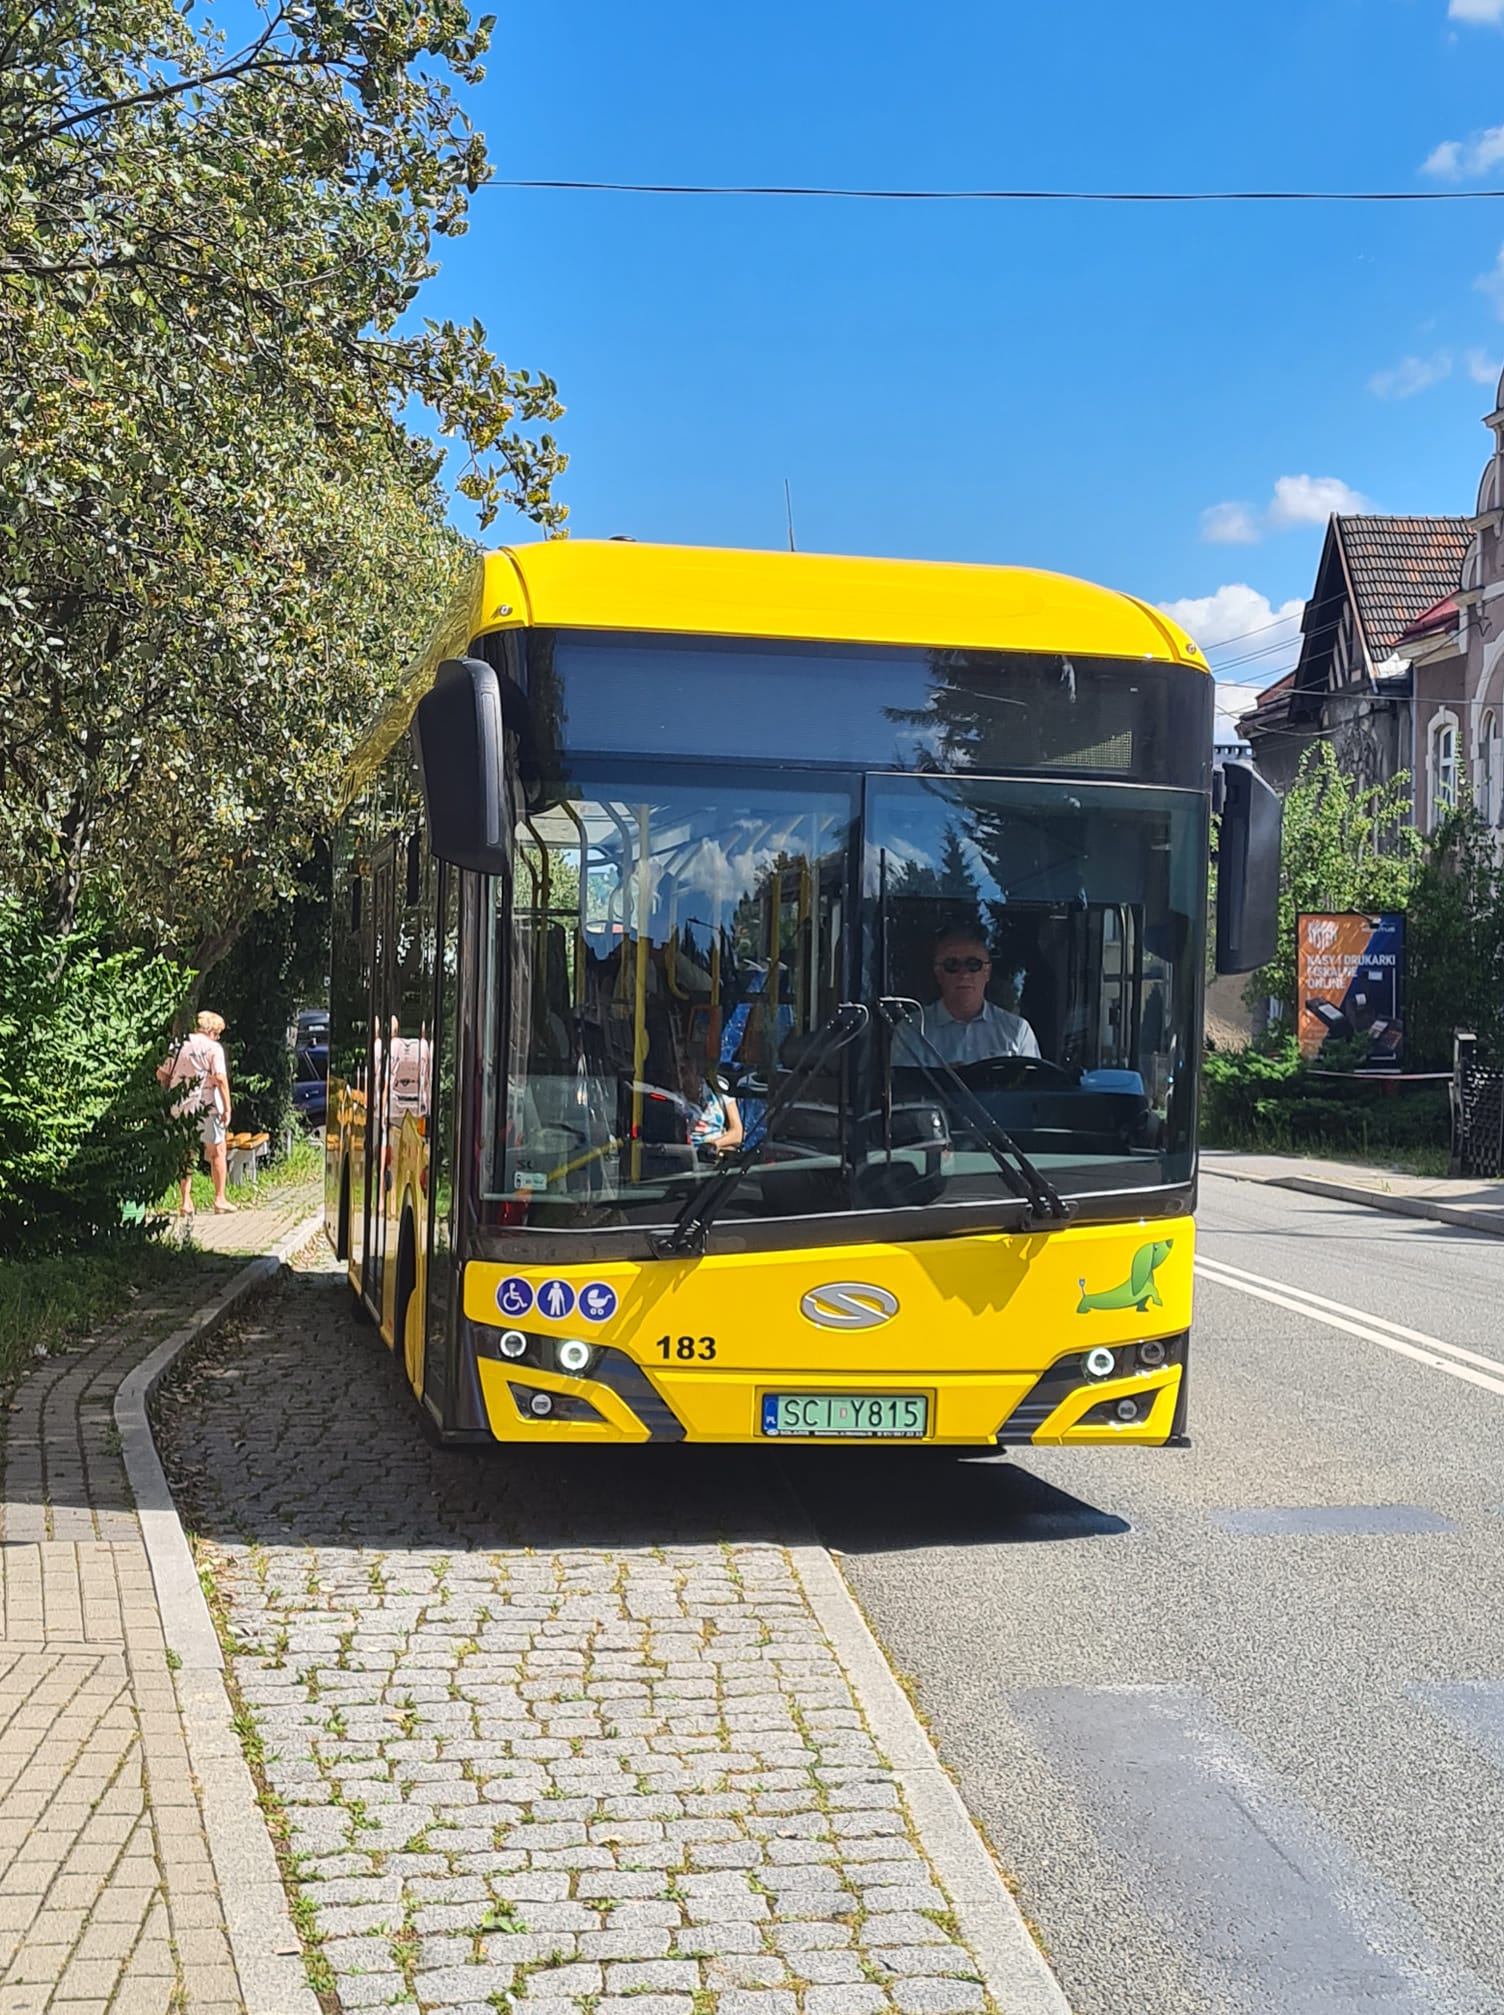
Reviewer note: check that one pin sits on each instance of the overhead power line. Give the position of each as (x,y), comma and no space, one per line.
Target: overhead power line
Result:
(1001,195)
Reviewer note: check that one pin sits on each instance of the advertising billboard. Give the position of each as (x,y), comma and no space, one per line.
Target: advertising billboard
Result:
(1350,970)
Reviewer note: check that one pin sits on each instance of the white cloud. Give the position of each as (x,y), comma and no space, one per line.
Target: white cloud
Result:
(1459,160)
(1477,10)
(1411,375)
(1237,623)
(1299,500)
(1238,614)
(1482,368)
(1229,525)
(1311,500)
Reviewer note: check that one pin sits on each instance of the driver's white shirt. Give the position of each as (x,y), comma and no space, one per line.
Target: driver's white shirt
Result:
(993,1032)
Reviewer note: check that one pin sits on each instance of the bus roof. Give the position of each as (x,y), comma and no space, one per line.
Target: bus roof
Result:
(611,584)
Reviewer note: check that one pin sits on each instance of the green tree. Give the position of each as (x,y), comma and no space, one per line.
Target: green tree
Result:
(1346,846)
(1454,944)
(85,1136)
(219,534)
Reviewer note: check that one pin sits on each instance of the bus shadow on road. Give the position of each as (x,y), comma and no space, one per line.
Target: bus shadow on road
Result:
(296,1429)
(876,1501)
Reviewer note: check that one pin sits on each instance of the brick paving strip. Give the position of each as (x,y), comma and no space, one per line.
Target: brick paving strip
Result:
(530,1740)
(110,1880)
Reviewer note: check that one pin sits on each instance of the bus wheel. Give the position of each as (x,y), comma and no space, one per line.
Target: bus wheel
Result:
(409,1314)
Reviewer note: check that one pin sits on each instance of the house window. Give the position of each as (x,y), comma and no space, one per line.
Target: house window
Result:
(1488,768)
(1443,767)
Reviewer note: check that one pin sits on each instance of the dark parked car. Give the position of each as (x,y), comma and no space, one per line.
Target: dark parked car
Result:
(310,1087)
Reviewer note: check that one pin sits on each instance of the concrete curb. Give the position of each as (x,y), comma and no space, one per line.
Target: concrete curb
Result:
(266,1948)
(1398,1206)
(1015,1972)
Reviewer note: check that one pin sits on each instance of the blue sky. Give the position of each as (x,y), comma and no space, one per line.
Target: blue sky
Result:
(1062,386)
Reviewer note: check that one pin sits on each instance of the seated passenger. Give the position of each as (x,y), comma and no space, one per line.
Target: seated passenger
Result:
(963,1026)
(715,1123)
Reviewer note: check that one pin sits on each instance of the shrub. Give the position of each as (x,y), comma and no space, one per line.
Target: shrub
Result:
(1265,1098)
(85,1133)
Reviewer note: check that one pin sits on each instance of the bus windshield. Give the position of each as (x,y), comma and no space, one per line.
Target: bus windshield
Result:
(676,936)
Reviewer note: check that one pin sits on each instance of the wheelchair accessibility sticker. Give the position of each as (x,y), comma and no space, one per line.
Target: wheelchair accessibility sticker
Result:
(514,1296)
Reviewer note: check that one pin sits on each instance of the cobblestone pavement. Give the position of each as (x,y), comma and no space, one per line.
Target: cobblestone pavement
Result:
(261,1219)
(107,1893)
(555,1730)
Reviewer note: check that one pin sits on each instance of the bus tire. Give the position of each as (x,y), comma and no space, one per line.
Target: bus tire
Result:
(409,1311)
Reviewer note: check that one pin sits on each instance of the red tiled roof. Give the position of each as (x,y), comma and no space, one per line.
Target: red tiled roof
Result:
(1400,568)
(1431,622)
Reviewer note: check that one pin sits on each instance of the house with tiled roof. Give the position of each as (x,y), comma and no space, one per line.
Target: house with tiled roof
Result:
(1357,683)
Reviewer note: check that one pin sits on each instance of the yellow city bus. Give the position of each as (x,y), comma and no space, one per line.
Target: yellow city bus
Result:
(766,997)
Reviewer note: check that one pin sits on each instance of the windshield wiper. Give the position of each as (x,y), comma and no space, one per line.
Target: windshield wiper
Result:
(1020,1174)
(687,1236)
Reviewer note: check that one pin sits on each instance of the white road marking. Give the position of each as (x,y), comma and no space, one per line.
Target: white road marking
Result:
(1411,1343)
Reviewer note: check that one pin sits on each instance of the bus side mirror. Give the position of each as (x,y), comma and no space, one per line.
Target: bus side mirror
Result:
(458,733)
(1248,851)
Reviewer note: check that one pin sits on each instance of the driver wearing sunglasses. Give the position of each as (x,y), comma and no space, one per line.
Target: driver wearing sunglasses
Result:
(963,1026)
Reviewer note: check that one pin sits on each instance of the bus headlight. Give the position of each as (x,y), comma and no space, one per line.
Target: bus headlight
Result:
(541,1404)
(573,1356)
(513,1343)
(1127,1409)
(1153,1353)
(1100,1363)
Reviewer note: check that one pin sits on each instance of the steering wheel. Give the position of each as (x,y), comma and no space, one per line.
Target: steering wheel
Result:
(1014,1073)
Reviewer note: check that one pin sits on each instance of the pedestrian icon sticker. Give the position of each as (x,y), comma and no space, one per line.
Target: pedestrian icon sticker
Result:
(597,1302)
(555,1299)
(514,1296)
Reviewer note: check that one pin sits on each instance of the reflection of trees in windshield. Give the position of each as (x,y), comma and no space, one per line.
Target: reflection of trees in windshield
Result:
(1001,710)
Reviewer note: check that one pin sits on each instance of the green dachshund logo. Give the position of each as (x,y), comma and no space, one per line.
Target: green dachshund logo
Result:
(1138,1290)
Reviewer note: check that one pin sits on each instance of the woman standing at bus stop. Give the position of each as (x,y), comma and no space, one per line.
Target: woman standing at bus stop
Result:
(199,1063)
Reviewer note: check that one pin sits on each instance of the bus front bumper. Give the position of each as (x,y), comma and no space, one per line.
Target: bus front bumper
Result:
(1076,1334)
(621,1401)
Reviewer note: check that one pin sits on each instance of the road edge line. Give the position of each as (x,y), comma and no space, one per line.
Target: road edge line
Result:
(1337,1192)
(1015,1973)
(263,1941)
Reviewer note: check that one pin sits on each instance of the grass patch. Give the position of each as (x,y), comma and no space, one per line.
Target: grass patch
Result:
(48,1304)
(302,1166)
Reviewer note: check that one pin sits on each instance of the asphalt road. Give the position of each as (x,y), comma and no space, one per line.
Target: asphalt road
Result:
(1233,1716)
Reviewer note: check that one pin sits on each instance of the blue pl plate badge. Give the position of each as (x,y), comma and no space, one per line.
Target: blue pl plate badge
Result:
(556,1300)
(597,1302)
(514,1296)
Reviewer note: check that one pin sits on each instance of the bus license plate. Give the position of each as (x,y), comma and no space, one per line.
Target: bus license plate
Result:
(902,1416)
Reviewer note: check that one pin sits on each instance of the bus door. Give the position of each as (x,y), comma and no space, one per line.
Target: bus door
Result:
(379,1171)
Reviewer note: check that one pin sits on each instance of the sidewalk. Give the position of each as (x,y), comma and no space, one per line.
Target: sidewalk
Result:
(108,1894)
(252,1227)
(1477,1206)
(566,1732)
(553,1746)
